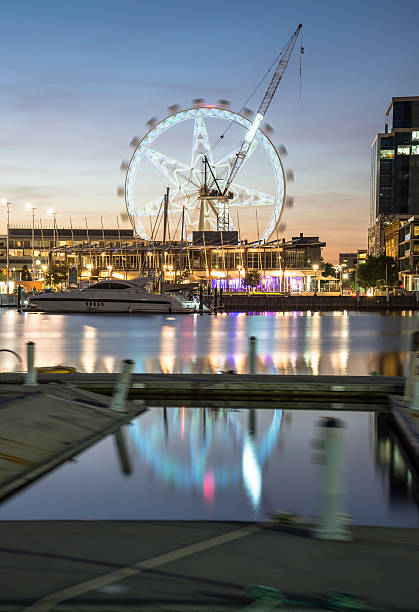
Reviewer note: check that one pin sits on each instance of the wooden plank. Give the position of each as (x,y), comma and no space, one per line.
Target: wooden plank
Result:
(43,426)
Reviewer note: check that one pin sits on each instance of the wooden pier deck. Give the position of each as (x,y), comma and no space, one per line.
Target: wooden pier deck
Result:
(406,421)
(45,425)
(237,387)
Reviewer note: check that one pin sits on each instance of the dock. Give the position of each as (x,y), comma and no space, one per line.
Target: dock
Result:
(43,426)
(259,302)
(406,421)
(237,387)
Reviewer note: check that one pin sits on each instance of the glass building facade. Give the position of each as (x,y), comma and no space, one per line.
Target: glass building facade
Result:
(395,162)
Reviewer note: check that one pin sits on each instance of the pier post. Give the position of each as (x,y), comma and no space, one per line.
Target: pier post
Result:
(215,298)
(332,526)
(122,386)
(19,297)
(411,392)
(31,374)
(252,355)
(201,298)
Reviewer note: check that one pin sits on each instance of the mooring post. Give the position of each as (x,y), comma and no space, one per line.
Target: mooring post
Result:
(122,386)
(252,355)
(332,526)
(19,297)
(201,298)
(411,390)
(215,297)
(30,376)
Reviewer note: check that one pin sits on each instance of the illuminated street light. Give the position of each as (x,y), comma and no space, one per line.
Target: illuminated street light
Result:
(29,206)
(52,213)
(315,268)
(7,204)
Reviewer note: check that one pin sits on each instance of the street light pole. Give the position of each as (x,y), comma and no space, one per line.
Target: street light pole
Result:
(7,247)
(30,207)
(7,204)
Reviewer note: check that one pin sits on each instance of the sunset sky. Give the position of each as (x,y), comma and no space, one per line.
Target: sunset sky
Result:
(79,79)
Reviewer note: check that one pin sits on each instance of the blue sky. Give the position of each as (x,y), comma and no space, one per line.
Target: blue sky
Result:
(79,79)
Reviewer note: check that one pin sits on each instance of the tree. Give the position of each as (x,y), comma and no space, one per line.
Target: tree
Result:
(375,270)
(25,275)
(328,270)
(252,278)
(57,273)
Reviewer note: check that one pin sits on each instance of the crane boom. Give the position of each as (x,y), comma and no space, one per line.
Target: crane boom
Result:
(263,107)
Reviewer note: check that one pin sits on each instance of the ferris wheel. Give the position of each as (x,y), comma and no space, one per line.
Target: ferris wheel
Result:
(204,190)
(193,185)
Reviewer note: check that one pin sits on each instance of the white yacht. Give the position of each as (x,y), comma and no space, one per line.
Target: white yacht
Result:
(113,296)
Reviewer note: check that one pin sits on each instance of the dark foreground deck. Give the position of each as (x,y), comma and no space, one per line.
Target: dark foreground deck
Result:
(198,565)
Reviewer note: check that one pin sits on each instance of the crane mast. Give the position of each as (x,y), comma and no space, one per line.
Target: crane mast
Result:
(263,107)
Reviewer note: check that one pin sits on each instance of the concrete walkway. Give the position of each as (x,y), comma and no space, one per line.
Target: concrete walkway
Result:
(59,565)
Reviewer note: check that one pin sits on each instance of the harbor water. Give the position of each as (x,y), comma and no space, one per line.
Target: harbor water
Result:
(214,464)
(353,343)
(201,463)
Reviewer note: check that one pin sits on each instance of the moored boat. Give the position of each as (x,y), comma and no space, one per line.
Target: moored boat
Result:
(113,296)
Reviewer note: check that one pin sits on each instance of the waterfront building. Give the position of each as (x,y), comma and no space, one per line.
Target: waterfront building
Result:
(348,260)
(394,171)
(35,249)
(294,265)
(361,256)
(409,253)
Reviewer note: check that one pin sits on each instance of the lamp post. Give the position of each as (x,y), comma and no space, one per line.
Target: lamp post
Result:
(7,204)
(315,268)
(54,216)
(239,268)
(30,207)
(338,270)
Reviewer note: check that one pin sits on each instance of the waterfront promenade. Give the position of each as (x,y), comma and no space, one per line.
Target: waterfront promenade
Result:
(79,565)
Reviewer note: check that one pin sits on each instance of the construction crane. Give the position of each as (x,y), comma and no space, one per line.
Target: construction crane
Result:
(263,107)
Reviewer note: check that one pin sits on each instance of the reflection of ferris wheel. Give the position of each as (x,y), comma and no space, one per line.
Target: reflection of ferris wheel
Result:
(187,468)
(203,191)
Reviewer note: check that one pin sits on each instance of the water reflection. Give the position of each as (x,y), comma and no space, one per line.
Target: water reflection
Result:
(395,469)
(287,342)
(221,464)
(200,447)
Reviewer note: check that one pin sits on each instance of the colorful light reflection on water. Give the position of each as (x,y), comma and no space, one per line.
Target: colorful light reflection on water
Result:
(287,342)
(217,464)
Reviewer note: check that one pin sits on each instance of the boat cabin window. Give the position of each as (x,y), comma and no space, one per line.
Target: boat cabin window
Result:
(119,286)
(109,285)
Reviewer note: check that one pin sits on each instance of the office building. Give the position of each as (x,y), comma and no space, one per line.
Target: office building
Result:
(394,171)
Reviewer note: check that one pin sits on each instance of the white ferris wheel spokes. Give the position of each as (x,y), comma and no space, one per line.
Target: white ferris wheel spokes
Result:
(185,180)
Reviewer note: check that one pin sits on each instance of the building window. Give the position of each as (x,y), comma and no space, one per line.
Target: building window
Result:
(403,150)
(387,153)
(415,135)
(415,149)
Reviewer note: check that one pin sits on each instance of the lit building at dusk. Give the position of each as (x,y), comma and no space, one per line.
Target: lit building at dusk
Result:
(394,171)
(295,265)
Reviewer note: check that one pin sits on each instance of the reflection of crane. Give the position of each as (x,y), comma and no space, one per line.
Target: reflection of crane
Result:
(263,107)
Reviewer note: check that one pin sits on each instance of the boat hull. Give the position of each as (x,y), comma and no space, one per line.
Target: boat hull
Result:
(106,305)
